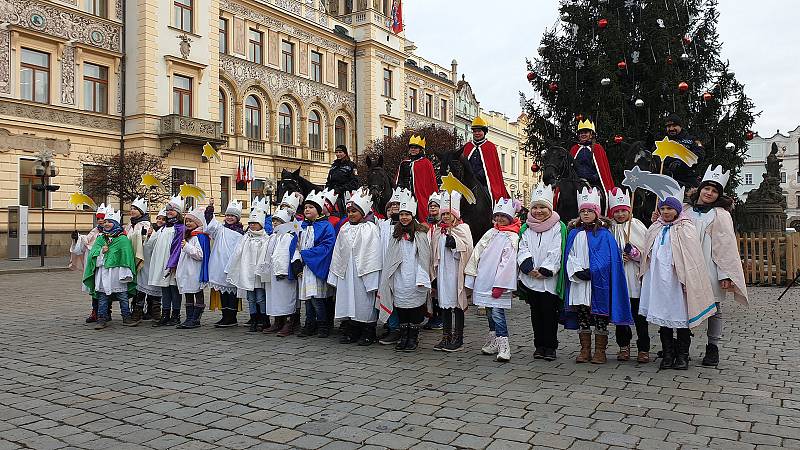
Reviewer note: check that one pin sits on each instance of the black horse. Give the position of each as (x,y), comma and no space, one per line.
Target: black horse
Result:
(479,215)
(294,182)
(379,183)
(558,171)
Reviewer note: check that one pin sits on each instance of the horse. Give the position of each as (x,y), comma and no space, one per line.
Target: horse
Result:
(644,202)
(294,182)
(379,183)
(558,171)
(478,216)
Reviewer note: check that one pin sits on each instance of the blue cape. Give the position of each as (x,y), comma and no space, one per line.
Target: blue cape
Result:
(318,258)
(205,244)
(268,224)
(609,285)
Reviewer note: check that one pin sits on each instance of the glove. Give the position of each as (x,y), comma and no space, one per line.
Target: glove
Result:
(297,267)
(584,275)
(74,236)
(280,277)
(450,242)
(526,266)
(628,248)
(497,292)
(545,272)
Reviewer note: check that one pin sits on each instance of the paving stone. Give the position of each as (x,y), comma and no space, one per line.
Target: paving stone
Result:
(471,441)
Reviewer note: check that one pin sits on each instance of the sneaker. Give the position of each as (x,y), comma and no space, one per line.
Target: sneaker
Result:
(101,323)
(442,343)
(538,353)
(392,337)
(549,354)
(456,344)
(128,321)
(503,349)
(490,347)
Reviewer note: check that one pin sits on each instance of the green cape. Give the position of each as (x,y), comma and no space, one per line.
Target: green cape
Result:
(120,254)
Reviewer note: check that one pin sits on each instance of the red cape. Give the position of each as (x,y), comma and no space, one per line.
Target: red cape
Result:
(491,166)
(600,163)
(423,178)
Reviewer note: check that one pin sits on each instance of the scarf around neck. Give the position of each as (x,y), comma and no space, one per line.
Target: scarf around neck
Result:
(512,227)
(540,226)
(142,218)
(237,227)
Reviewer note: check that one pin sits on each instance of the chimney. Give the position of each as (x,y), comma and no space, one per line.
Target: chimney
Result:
(454,71)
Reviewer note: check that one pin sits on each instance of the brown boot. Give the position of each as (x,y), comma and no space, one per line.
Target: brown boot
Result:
(586,347)
(643,357)
(287,329)
(277,325)
(600,344)
(624,353)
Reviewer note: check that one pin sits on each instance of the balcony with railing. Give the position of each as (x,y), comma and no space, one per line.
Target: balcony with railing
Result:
(256,146)
(289,151)
(318,155)
(176,129)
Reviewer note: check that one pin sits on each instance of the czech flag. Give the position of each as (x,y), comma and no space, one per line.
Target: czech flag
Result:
(397,16)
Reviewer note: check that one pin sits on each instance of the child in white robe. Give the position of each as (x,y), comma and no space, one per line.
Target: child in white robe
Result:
(164,260)
(243,268)
(192,271)
(79,253)
(226,235)
(274,270)
(386,226)
(136,231)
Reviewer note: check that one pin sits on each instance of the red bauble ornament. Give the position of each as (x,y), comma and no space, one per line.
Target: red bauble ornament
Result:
(602,23)
(622,65)
(749,135)
(707,96)
(531,76)
(687,39)
(618,138)
(534,167)
(553,86)
(683,86)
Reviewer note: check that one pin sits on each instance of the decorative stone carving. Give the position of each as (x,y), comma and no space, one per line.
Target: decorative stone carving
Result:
(37,113)
(64,23)
(765,208)
(68,75)
(388,107)
(414,120)
(5,62)
(176,129)
(118,12)
(32,144)
(185,45)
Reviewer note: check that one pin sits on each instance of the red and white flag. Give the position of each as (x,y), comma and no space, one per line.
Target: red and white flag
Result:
(251,170)
(397,16)
(239,177)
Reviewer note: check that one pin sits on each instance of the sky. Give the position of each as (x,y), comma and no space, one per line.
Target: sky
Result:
(491,40)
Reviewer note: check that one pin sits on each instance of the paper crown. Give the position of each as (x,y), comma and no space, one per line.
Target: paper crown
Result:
(101,211)
(362,200)
(408,203)
(259,203)
(717,175)
(177,202)
(591,196)
(585,125)
(162,213)
(396,195)
(451,203)
(140,204)
(542,193)
(618,197)
(283,215)
(198,215)
(113,215)
(257,215)
(330,195)
(316,198)
(436,197)
(234,208)
(504,206)
(291,199)
(478,122)
(417,140)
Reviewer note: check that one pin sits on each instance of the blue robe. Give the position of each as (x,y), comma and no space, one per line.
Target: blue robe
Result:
(318,258)
(609,285)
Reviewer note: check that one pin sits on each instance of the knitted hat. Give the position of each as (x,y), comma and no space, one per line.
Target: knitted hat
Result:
(672,202)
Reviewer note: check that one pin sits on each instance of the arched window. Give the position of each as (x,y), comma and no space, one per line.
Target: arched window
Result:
(314,131)
(341,132)
(252,117)
(223,111)
(285,125)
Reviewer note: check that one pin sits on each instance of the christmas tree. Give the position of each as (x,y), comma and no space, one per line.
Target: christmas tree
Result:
(627,64)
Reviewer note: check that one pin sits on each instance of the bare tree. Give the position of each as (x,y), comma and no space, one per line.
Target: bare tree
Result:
(113,176)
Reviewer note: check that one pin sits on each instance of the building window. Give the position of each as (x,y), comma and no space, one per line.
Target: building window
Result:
(180,176)
(513,164)
(287,54)
(223,35)
(503,161)
(316,67)
(91,175)
(252,118)
(443,109)
(182,95)
(341,73)
(387,83)
(388,132)
(224,191)
(748,178)
(314,131)
(34,84)
(257,189)
(95,88)
(223,111)
(96,7)
(783,177)
(285,124)
(255,47)
(27,179)
(412,100)
(182,15)
(429,105)
(340,132)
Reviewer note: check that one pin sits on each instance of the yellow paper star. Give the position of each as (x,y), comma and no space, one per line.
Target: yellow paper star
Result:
(666,148)
(210,153)
(78,200)
(192,191)
(451,183)
(150,181)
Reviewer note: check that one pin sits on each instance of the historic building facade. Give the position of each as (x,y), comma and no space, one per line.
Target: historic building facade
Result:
(281,82)
(467,108)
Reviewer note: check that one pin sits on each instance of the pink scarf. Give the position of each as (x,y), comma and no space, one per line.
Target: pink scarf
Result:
(540,226)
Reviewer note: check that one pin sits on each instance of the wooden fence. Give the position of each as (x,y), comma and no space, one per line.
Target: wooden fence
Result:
(769,259)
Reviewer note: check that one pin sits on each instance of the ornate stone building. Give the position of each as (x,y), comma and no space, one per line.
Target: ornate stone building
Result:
(291,80)
(467,108)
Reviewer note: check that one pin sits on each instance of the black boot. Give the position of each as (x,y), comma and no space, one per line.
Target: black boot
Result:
(682,352)
(308,330)
(254,319)
(165,318)
(667,349)
(265,323)
(323,329)
(712,356)
(223,319)
(413,339)
(344,331)
(187,323)
(330,308)
(368,336)
(176,317)
(402,343)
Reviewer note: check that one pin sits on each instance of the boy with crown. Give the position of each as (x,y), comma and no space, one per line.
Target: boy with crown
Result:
(405,277)
(591,162)
(143,279)
(276,272)
(111,270)
(630,235)
(137,231)
(595,291)
(355,269)
(710,212)
(541,279)
(291,202)
(79,253)
(226,236)
(416,174)
(491,273)
(191,273)
(166,244)
(451,248)
(316,242)
(386,227)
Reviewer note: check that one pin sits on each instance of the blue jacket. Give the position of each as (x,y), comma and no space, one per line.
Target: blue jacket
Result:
(318,258)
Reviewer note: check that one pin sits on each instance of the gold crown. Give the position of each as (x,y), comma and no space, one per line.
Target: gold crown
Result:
(417,140)
(478,122)
(585,125)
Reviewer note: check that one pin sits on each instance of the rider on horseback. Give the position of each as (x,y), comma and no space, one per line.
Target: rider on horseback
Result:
(417,175)
(591,163)
(482,156)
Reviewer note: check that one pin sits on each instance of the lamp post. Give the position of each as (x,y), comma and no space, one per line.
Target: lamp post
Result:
(45,169)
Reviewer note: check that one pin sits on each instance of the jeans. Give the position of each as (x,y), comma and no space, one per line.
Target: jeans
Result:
(103,300)
(257,301)
(316,311)
(715,323)
(170,298)
(497,321)
(624,333)
(197,299)
(393,321)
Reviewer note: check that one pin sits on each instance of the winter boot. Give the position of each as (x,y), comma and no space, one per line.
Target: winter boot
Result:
(550,354)
(155,312)
(447,336)
(254,320)
(222,319)
(148,313)
(308,330)
(490,347)
(503,349)
(368,336)
(136,314)
(288,328)
(323,329)
(402,343)
(456,342)
(187,323)
(585,354)
(391,337)
(101,323)
(413,339)
(165,318)
(344,331)
(197,313)
(712,356)
(176,317)
(600,345)
(92,318)
(265,322)
(667,349)
(277,324)
(624,353)
(682,351)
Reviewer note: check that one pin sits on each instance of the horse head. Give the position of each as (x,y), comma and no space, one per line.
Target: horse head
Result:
(288,183)
(557,164)
(379,183)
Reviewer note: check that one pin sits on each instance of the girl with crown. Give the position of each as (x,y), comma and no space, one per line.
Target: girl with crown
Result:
(226,236)
(629,233)
(451,248)
(386,228)
(191,273)
(675,290)
(710,212)
(79,253)
(491,273)
(316,242)
(405,277)
(595,291)
(166,244)
(541,279)
(434,216)
(137,231)
(275,269)
(355,270)
(143,279)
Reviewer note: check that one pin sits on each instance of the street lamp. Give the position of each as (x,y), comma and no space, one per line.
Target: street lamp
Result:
(45,169)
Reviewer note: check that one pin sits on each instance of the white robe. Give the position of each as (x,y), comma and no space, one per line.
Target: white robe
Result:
(190,264)
(702,221)
(81,248)
(161,251)
(243,266)
(496,266)
(225,242)
(580,291)
(544,249)
(281,294)
(309,285)
(110,281)
(143,279)
(410,282)
(447,276)
(637,239)
(355,295)
(662,299)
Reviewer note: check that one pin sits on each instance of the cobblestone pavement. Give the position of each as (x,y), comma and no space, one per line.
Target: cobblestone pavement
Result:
(66,385)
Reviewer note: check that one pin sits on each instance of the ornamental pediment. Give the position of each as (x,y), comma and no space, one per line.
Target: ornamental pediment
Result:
(32,144)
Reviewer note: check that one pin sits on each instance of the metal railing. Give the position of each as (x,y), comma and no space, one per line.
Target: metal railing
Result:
(290,151)
(256,146)
(318,155)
